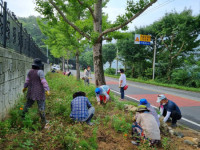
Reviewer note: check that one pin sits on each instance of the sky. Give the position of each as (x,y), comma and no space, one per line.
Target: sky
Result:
(25,8)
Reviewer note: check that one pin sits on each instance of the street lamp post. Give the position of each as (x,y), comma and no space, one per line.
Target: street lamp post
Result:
(154,59)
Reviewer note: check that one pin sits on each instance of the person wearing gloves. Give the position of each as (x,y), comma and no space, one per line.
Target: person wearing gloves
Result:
(168,109)
(122,83)
(151,109)
(102,93)
(145,127)
(37,87)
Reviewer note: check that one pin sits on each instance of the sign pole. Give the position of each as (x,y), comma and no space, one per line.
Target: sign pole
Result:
(154,59)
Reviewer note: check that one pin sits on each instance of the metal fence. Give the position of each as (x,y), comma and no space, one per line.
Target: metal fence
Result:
(14,36)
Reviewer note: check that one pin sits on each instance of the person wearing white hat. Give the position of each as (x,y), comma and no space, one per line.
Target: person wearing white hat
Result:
(168,109)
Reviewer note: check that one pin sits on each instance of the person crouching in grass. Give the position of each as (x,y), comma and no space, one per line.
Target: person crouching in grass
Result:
(145,127)
(81,108)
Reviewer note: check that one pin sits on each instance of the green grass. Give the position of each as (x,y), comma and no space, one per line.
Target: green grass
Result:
(158,83)
(112,124)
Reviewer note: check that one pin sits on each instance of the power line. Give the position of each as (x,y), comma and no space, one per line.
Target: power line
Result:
(157,7)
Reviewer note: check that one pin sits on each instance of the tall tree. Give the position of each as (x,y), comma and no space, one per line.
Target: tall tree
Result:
(136,57)
(102,29)
(62,41)
(177,38)
(109,53)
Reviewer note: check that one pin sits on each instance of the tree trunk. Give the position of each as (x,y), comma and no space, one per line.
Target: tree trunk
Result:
(133,71)
(63,64)
(77,67)
(68,64)
(169,70)
(97,47)
(110,64)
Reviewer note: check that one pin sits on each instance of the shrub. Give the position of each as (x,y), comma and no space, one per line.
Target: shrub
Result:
(120,124)
(110,71)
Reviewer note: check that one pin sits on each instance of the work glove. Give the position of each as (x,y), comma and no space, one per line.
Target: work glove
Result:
(89,78)
(47,93)
(24,90)
(134,119)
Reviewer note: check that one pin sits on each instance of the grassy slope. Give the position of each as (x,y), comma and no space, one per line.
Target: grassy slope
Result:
(112,128)
(159,84)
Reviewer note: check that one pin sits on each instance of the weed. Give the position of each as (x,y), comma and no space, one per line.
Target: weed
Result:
(93,139)
(5,127)
(165,143)
(27,144)
(106,120)
(120,124)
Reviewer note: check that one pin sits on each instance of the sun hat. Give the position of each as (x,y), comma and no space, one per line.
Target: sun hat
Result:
(37,62)
(142,108)
(144,101)
(97,90)
(160,98)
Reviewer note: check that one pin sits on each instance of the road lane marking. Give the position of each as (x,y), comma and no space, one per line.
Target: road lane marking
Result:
(192,122)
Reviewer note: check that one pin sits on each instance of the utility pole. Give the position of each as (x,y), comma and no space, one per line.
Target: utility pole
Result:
(47,55)
(154,58)
(117,62)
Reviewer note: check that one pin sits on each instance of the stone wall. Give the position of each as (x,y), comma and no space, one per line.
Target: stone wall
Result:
(13,70)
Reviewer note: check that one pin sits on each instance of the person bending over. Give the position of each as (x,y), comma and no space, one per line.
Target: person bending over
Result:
(169,109)
(102,94)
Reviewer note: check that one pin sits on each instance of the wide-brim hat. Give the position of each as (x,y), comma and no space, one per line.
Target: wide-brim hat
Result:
(37,62)
(142,108)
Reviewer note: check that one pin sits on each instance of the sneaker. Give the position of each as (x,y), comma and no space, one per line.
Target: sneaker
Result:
(135,143)
(90,123)
(47,126)
(173,125)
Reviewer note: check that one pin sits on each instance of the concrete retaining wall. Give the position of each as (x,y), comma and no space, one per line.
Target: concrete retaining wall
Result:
(13,70)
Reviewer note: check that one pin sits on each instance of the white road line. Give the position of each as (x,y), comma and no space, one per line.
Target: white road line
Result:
(192,122)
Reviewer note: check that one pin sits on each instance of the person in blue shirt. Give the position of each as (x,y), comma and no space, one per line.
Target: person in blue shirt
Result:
(169,109)
(102,94)
(81,108)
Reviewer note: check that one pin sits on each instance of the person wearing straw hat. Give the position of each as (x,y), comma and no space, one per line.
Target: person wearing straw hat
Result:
(37,87)
(145,127)
(168,109)
(143,101)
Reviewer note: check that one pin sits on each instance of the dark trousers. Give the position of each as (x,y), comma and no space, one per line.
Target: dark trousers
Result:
(122,92)
(174,115)
(87,81)
(41,107)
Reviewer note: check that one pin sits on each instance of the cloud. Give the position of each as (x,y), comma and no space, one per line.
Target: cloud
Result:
(22,8)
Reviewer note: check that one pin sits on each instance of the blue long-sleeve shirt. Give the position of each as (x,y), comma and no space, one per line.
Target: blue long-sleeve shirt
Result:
(79,108)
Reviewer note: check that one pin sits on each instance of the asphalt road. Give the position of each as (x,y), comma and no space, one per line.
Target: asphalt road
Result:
(188,102)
